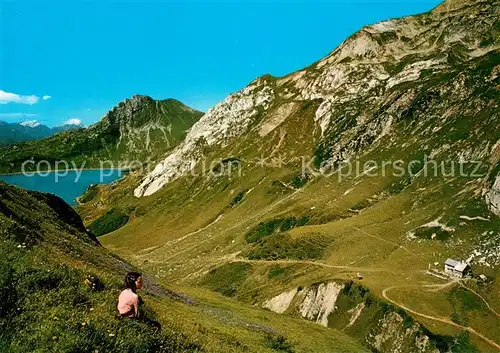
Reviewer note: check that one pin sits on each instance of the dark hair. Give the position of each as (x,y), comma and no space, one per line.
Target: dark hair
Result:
(130,279)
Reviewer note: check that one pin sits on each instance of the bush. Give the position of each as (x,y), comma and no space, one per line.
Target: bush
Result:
(265,229)
(111,221)
(282,246)
(432,233)
(89,194)
(279,343)
(300,180)
(238,198)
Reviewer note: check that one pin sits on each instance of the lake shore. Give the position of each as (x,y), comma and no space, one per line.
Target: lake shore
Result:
(62,170)
(67,184)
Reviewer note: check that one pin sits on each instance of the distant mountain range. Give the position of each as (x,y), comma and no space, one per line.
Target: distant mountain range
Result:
(12,133)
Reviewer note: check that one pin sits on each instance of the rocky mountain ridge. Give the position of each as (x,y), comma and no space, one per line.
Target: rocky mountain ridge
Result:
(365,73)
(134,131)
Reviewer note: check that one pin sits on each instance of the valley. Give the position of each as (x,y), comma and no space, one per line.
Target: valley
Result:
(276,212)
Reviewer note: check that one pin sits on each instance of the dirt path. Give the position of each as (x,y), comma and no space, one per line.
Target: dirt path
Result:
(308,262)
(379,238)
(482,298)
(439,319)
(438,287)
(435,288)
(222,232)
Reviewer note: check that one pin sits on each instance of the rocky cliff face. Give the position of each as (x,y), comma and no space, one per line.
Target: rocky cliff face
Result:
(143,124)
(228,119)
(493,197)
(346,306)
(367,85)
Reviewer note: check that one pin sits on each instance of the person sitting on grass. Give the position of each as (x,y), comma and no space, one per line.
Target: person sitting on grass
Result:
(129,302)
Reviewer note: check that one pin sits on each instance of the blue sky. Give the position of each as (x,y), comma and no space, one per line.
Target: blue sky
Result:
(77,59)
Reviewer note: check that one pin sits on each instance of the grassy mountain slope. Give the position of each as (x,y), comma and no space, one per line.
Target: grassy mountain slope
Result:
(419,93)
(137,130)
(59,289)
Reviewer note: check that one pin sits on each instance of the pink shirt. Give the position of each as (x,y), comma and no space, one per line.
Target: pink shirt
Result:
(128,303)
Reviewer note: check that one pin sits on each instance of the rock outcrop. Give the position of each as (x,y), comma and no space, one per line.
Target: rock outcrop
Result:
(389,332)
(493,197)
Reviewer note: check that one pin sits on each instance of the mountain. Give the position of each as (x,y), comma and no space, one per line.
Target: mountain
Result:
(20,132)
(336,193)
(68,127)
(12,133)
(59,286)
(30,123)
(134,131)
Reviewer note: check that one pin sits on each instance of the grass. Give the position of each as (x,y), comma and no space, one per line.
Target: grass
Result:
(279,343)
(48,300)
(280,272)
(90,194)
(228,278)
(464,302)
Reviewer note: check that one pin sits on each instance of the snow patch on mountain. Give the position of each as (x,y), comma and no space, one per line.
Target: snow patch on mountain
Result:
(30,123)
(77,122)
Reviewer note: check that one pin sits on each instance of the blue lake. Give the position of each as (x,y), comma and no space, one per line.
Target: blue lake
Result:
(68,187)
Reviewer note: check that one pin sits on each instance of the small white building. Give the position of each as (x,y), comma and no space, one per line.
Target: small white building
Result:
(456,268)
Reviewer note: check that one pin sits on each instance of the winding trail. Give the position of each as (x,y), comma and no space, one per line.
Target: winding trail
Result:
(438,287)
(439,319)
(379,238)
(226,230)
(177,240)
(482,298)
(435,287)
(308,262)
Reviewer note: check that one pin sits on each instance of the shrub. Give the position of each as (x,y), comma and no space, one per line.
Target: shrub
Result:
(282,246)
(111,221)
(279,343)
(237,199)
(432,233)
(299,180)
(265,229)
